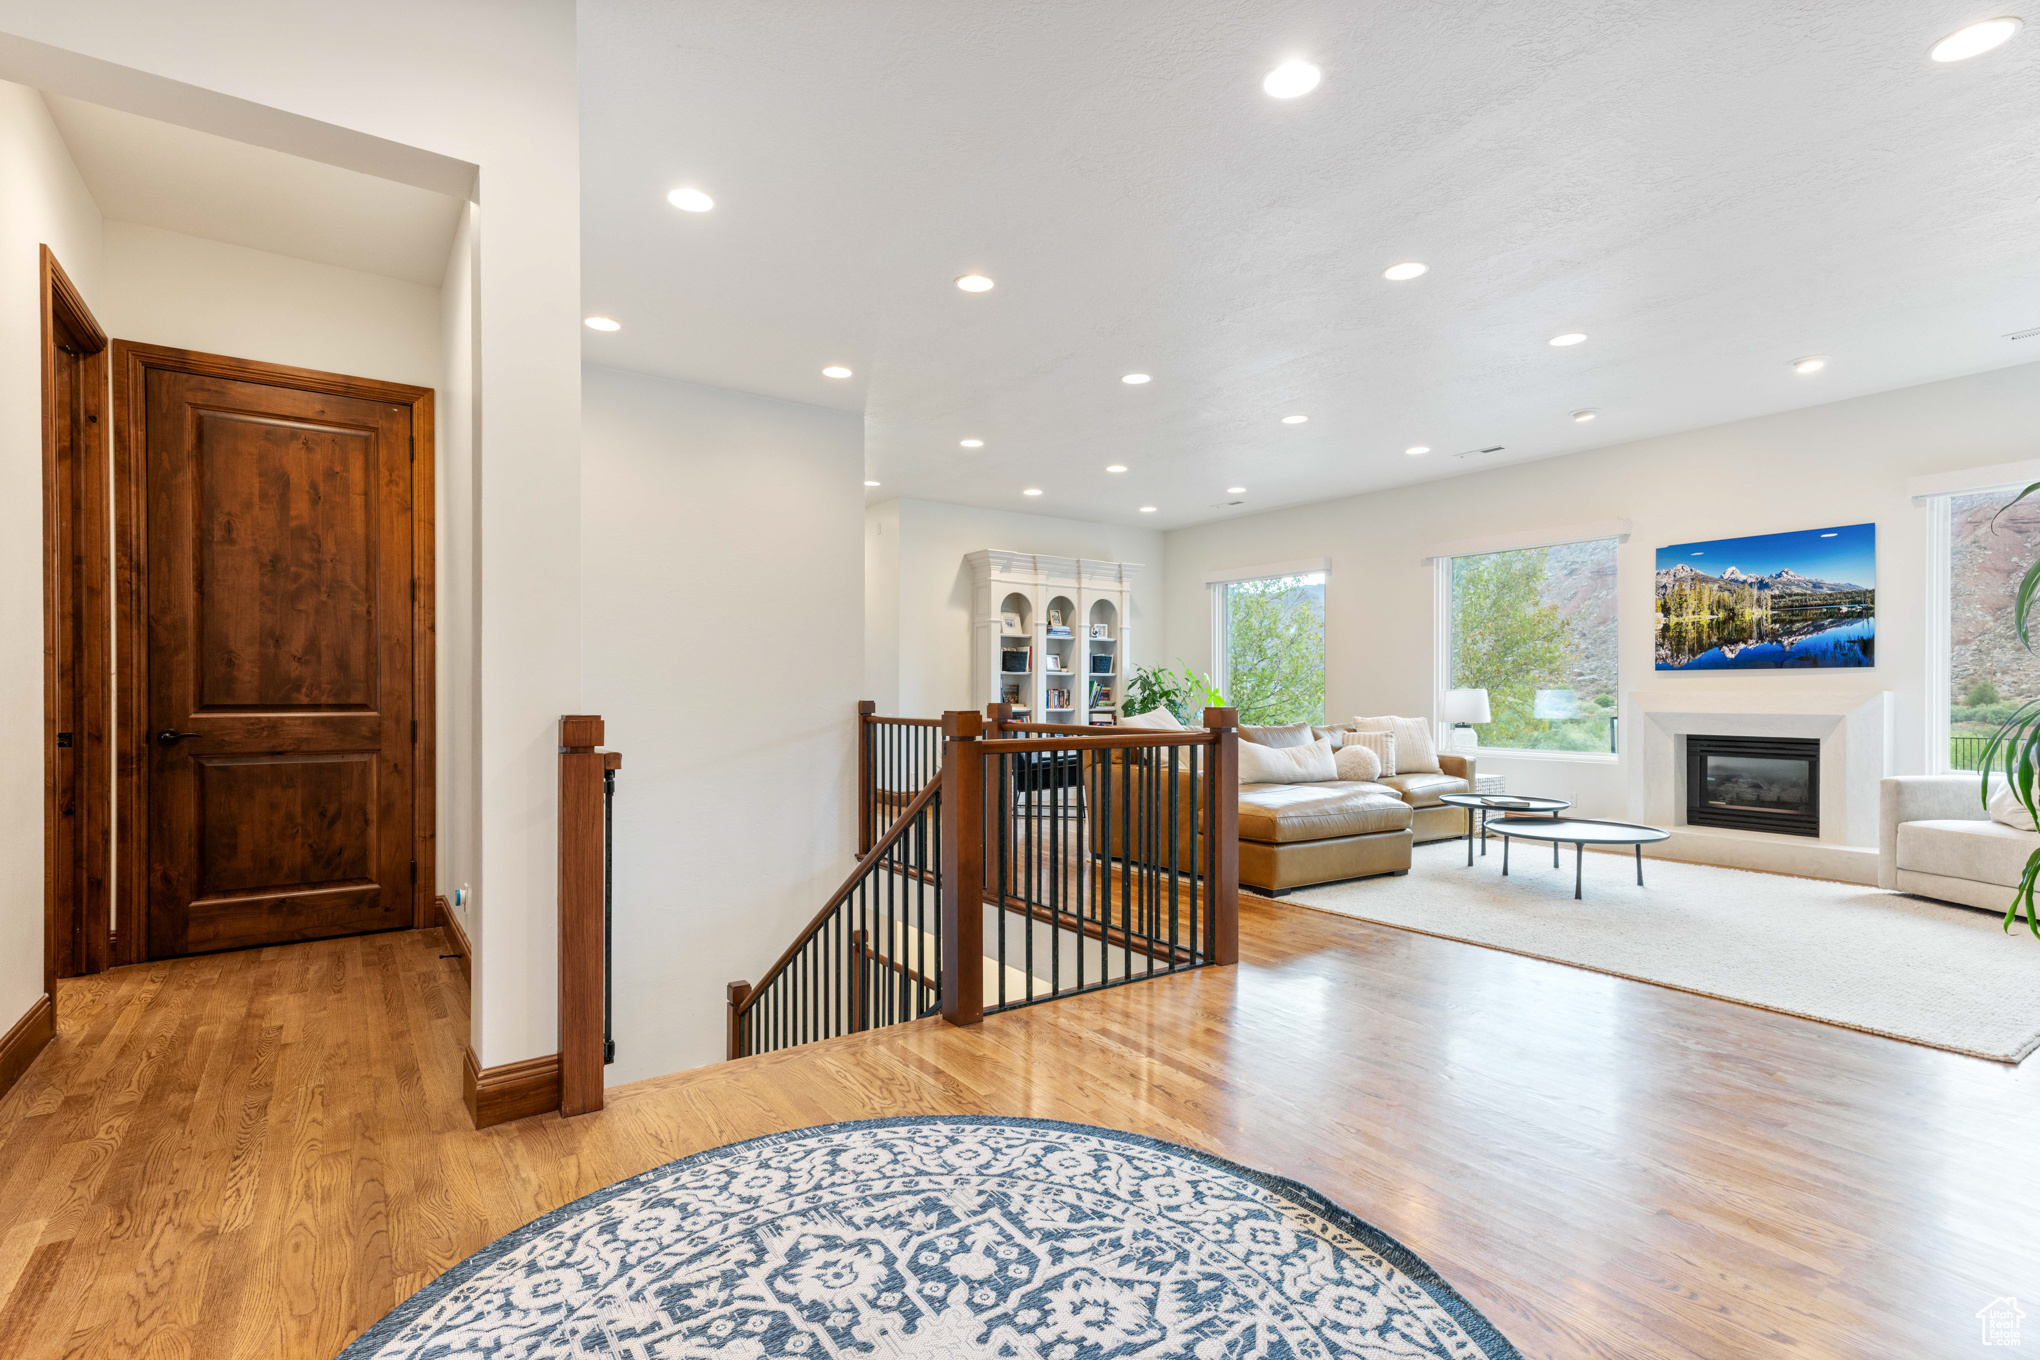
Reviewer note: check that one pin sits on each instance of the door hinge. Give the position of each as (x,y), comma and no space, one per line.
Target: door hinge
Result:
(414,731)
(414,873)
(414,592)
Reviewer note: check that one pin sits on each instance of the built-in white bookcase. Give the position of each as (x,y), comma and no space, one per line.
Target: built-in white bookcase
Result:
(1053,670)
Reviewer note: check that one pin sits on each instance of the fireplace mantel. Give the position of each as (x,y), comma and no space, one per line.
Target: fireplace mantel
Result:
(1852,726)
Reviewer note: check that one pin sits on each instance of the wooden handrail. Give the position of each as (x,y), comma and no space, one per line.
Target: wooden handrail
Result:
(899,828)
(581,962)
(1131,741)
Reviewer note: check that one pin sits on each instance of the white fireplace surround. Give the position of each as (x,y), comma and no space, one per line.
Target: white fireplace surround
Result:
(1853,728)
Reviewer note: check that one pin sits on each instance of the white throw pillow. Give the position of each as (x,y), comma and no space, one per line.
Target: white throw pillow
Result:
(1311,764)
(1159,718)
(1381,743)
(1358,763)
(2006,809)
(1415,753)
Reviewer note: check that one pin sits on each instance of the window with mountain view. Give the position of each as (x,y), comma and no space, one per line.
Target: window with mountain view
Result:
(1272,647)
(1989,673)
(1535,628)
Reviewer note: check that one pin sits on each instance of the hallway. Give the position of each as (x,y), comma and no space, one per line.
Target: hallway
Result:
(258,1154)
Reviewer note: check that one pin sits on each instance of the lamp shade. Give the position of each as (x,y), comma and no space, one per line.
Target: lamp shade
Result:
(1466,706)
(1556,704)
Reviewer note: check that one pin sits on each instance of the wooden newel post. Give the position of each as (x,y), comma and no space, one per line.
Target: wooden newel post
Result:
(996,718)
(963,869)
(865,708)
(1223,788)
(739,993)
(580,910)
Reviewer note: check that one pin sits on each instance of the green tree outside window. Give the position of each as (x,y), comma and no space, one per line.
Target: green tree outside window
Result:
(1275,648)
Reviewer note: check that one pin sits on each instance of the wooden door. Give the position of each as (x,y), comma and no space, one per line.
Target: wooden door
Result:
(278,577)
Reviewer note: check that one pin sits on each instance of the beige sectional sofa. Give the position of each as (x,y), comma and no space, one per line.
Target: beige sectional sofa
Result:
(1297,835)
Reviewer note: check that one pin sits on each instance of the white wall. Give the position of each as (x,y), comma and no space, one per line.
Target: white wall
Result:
(455,484)
(165,288)
(1844,463)
(723,599)
(918,601)
(492,83)
(42,202)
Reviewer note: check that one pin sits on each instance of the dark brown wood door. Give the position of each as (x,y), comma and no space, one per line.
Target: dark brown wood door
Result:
(279,698)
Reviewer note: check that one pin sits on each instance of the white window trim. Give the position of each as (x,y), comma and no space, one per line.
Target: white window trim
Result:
(1997,476)
(1441,651)
(1517,540)
(1940,628)
(1301,567)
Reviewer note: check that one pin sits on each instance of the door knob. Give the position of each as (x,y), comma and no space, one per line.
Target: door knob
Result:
(170,736)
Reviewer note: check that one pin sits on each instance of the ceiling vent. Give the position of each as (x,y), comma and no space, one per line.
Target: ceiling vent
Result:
(1475,453)
(2024,335)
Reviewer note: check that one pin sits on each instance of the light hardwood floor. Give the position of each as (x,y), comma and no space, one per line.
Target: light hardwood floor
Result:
(258,1154)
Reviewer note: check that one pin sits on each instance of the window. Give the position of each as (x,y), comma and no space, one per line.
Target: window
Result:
(1989,673)
(1271,652)
(1535,628)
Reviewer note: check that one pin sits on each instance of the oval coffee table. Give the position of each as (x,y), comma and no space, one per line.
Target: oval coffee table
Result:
(1578,832)
(1482,804)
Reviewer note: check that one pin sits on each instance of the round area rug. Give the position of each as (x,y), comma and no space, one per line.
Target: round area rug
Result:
(965,1237)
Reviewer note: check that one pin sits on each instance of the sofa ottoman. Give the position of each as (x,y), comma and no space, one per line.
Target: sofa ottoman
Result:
(1297,835)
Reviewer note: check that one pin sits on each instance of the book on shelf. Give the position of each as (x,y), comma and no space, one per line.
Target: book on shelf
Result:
(1101,695)
(1060,632)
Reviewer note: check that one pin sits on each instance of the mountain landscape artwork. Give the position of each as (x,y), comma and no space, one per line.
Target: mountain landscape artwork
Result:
(1769,601)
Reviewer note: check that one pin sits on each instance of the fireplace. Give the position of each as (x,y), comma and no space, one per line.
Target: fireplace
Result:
(1754,783)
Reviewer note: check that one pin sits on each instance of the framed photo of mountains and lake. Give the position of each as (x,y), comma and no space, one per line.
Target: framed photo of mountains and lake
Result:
(1769,601)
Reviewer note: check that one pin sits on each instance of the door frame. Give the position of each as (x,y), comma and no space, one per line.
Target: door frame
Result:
(132,362)
(75,942)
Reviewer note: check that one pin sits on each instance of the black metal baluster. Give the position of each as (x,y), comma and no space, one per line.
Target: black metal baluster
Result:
(608,916)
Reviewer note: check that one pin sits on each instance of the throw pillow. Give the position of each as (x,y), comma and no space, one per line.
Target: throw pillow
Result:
(1414,751)
(1383,746)
(2006,809)
(1358,763)
(1154,718)
(1291,734)
(1310,764)
(1337,734)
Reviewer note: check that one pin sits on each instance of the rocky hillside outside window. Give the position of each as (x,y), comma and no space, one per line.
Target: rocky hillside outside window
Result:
(1535,628)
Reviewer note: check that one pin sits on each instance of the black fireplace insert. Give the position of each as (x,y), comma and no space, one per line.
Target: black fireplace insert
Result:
(1754,783)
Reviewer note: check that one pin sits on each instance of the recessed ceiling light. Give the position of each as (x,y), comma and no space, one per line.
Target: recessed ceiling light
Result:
(1812,363)
(1401,273)
(1294,420)
(602,323)
(690,200)
(1975,40)
(974,283)
(1117,467)
(1147,509)
(973,443)
(1291,79)
(835,371)
(1569,338)
(871,483)
(1415,449)
(1032,491)
(1235,491)
(1135,379)
(1585,414)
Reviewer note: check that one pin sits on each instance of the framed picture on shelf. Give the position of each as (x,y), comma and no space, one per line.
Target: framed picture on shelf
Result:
(1055,618)
(1010,623)
(1101,632)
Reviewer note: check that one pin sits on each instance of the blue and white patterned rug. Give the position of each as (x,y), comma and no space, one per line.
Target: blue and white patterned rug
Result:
(964,1238)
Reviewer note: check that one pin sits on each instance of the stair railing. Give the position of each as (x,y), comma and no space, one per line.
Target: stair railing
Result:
(1081,858)
(896,757)
(871,956)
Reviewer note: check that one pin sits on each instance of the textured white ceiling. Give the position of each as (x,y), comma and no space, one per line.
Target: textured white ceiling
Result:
(201,184)
(1708,190)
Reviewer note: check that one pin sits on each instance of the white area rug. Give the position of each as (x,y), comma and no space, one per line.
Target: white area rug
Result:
(1902,967)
